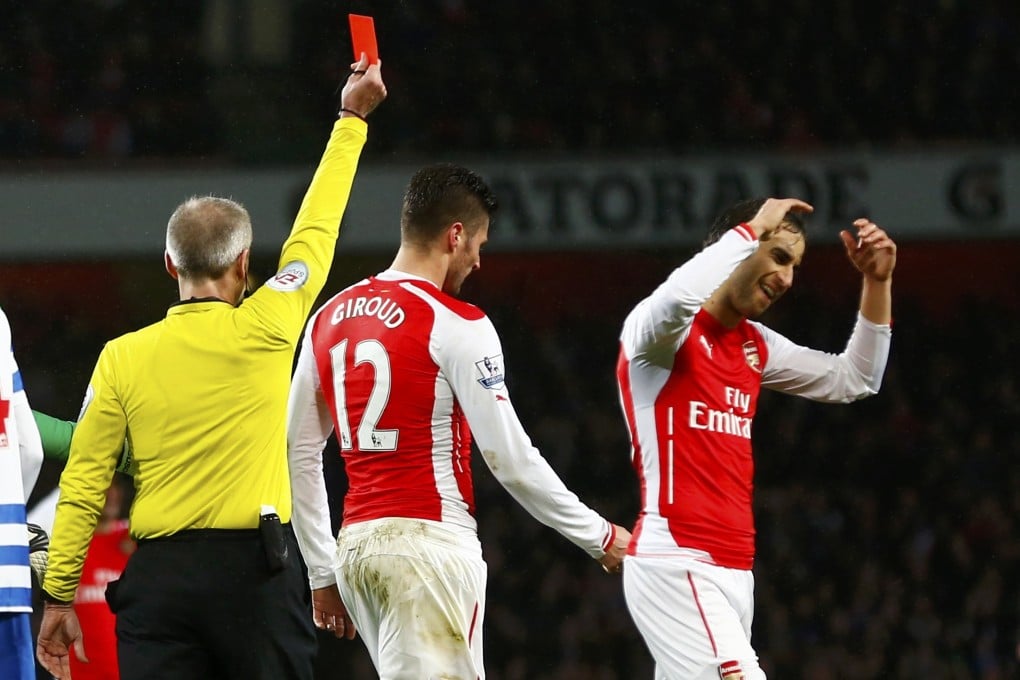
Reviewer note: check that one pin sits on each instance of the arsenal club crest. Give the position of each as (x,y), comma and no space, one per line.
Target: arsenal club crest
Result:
(751,356)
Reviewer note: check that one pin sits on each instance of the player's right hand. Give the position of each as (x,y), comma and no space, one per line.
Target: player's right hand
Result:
(773,212)
(330,614)
(364,89)
(612,561)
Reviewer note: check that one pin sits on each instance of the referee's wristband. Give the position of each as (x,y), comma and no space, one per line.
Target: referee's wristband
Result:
(353,113)
(46,597)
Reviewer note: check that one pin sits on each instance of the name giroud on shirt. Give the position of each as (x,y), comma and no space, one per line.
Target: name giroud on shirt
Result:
(701,417)
(384,309)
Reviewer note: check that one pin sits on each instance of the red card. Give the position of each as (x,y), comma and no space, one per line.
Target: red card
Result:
(363,37)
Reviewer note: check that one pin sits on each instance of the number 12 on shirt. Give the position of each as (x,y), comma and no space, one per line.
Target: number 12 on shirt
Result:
(369,437)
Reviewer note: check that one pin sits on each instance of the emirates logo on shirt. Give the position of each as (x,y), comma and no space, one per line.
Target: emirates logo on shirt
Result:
(751,356)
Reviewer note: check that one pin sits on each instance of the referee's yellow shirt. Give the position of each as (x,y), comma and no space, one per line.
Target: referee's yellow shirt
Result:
(202,395)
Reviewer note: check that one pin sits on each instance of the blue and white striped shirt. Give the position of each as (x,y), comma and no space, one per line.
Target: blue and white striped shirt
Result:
(20,459)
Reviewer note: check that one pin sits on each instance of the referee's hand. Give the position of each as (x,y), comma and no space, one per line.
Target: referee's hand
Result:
(58,632)
(364,89)
(329,613)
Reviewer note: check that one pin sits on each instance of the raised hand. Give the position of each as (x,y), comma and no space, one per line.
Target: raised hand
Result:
(364,89)
(772,213)
(871,251)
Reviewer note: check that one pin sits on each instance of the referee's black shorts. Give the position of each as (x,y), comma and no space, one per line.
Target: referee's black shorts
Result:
(204,604)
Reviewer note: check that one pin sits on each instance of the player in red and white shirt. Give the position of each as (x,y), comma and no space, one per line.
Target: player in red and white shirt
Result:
(407,374)
(690,369)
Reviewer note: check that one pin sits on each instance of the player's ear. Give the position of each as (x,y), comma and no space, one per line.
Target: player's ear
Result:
(455,234)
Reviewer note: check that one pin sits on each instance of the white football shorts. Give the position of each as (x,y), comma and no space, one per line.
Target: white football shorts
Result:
(694,616)
(415,590)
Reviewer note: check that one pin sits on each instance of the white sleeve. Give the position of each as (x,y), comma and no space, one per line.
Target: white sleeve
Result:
(472,360)
(662,320)
(835,378)
(26,434)
(309,425)
(29,442)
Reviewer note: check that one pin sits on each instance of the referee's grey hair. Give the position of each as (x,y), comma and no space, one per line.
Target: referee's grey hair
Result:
(205,235)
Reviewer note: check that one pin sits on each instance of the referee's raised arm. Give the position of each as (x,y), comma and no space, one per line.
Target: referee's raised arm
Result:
(215,588)
(285,301)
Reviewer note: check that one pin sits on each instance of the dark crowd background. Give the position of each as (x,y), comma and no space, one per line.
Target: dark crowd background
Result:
(115,78)
(888,538)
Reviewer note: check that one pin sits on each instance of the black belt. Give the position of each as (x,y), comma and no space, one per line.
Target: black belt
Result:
(187,535)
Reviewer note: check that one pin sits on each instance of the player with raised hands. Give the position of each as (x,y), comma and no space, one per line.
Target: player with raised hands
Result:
(690,368)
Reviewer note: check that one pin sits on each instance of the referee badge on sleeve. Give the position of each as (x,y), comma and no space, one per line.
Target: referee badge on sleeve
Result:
(290,278)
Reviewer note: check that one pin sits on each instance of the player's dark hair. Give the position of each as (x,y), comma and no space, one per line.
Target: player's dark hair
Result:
(439,195)
(744,211)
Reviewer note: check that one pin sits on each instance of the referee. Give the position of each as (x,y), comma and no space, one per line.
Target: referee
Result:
(216,588)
